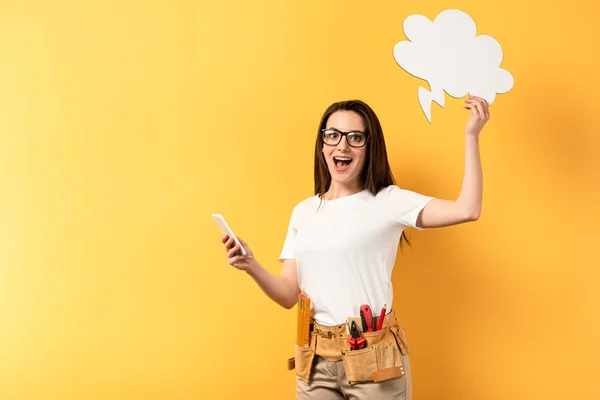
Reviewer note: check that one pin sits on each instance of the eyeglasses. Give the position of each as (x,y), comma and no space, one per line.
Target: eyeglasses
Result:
(332,137)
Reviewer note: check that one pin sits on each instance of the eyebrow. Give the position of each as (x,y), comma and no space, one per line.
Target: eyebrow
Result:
(339,130)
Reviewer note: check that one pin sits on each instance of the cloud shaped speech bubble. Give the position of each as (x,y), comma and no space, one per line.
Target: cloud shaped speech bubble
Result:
(450,57)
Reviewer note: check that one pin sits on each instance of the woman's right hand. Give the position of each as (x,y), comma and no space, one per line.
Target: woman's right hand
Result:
(235,257)
(282,289)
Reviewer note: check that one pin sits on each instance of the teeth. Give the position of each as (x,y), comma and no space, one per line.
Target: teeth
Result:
(343,158)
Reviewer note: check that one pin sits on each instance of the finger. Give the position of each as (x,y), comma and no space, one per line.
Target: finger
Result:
(486,108)
(224,238)
(229,244)
(475,99)
(234,261)
(486,113)
(482,106)
(476,105)
(479,106)
(233,251)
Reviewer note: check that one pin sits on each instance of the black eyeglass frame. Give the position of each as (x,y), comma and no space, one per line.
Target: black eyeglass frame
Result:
(342,134)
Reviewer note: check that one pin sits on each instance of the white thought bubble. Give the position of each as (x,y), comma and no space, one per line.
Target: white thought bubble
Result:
(449,55)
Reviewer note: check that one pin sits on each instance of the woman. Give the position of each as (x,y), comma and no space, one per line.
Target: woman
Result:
(341,247)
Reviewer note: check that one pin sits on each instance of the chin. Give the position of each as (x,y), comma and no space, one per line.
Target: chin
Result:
(343,180)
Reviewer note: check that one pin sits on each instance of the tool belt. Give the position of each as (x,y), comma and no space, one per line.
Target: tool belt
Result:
(380,360)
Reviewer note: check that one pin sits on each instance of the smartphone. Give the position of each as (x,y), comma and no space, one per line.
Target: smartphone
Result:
(226,230)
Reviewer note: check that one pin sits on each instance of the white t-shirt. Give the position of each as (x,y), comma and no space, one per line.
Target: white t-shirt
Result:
(345,249)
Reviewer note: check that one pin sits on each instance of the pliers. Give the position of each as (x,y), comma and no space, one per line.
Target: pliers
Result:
(356,341)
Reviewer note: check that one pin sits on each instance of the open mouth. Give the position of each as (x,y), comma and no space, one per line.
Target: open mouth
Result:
(341,163)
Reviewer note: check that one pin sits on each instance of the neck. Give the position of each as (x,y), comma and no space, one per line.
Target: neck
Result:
(337,190)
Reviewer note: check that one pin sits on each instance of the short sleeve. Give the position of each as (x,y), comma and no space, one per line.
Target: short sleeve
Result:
(287,253)
(405,205)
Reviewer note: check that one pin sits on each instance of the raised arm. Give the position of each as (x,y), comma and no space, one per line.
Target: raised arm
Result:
(282,289)
(467,207)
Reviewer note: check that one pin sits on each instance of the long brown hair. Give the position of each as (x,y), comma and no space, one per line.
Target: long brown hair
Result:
(376,173)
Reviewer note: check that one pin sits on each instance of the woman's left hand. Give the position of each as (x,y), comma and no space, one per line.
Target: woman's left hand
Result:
(479,115)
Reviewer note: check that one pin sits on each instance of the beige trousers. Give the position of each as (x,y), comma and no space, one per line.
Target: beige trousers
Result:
(329,383)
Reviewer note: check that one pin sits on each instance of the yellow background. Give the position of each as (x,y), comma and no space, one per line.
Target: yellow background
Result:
(124,125)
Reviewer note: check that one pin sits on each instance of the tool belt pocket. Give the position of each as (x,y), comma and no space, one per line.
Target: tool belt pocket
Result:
(379,361)
(303,360)
(304,357)
(401,339)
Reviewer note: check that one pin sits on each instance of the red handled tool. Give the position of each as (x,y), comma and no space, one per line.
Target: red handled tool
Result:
(381,318)
(367,318)
(356,342)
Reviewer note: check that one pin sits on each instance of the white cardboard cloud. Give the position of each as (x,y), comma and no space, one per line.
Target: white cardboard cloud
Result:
(450,57)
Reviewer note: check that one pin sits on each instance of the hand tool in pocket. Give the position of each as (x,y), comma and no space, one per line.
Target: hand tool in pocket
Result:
(303,330)
(381,318)
(367,318)
(358,321)
(356,342)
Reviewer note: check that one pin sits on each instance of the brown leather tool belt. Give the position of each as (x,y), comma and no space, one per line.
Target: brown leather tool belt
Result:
(378,361)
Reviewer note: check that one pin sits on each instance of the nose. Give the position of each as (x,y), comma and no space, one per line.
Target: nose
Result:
(343,144)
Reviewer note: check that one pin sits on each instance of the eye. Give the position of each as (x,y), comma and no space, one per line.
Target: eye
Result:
(357,137)
(331,134)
